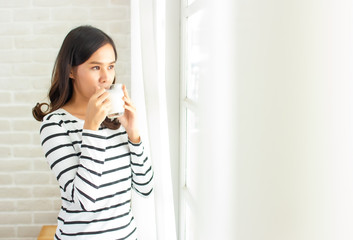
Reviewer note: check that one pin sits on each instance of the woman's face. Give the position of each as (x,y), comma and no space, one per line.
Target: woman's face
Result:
(97,71)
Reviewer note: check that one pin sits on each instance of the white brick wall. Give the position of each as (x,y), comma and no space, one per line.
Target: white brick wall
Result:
(31,32)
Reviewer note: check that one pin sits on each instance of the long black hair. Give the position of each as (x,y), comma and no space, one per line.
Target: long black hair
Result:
(78,46)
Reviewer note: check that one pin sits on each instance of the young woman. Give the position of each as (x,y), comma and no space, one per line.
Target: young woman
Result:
(97,161)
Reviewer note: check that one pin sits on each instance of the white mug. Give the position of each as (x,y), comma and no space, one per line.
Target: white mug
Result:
(116,97)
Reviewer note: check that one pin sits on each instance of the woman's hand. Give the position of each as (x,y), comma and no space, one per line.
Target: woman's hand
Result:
(97,109)
(129,118)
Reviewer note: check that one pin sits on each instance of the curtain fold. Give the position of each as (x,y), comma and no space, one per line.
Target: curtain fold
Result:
(155,215)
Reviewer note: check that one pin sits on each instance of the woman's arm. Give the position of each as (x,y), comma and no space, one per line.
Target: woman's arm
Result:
(142,171)
(78,174)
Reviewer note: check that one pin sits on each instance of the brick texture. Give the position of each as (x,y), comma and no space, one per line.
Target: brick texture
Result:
(31,33)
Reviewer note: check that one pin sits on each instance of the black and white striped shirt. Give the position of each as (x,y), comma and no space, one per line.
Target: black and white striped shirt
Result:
(96,171)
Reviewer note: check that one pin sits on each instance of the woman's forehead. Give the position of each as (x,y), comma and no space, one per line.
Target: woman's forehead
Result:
(103,55)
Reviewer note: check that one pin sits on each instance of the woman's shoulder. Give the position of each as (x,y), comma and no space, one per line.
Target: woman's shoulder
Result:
(55,116)
(61,118)
(60,115)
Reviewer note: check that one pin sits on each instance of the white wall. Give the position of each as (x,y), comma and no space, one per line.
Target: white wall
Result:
(31,32)
(277,160)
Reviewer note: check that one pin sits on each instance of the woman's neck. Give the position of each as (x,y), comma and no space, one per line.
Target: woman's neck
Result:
(76,106)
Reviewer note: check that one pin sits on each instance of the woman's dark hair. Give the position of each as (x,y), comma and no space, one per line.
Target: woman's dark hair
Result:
(78,46)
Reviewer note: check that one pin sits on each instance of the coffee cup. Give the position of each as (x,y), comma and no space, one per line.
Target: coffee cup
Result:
(116,98)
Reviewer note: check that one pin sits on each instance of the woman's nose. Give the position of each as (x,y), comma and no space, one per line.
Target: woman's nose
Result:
(103,76)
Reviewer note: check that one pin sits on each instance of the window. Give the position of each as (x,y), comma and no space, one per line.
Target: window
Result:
(191,66)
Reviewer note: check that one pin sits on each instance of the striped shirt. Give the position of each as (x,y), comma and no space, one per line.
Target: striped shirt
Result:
(96,171)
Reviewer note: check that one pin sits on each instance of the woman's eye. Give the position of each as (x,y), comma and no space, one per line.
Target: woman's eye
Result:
(111,67)
(95,68)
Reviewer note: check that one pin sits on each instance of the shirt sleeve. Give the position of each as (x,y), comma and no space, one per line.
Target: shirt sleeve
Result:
(142,171)
(78,172)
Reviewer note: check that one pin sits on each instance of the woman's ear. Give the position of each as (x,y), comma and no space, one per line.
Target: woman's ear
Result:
(72,76)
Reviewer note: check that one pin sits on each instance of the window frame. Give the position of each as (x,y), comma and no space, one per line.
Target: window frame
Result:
(185,197)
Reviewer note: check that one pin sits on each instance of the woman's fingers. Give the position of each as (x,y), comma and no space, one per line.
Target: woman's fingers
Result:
(130,108)
(99,91)
(102,96)
(128,101)
(128,104)
(100,99)
(98,107)
(126,94)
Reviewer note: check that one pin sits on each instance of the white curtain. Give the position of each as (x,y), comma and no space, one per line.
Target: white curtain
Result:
(154,215)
